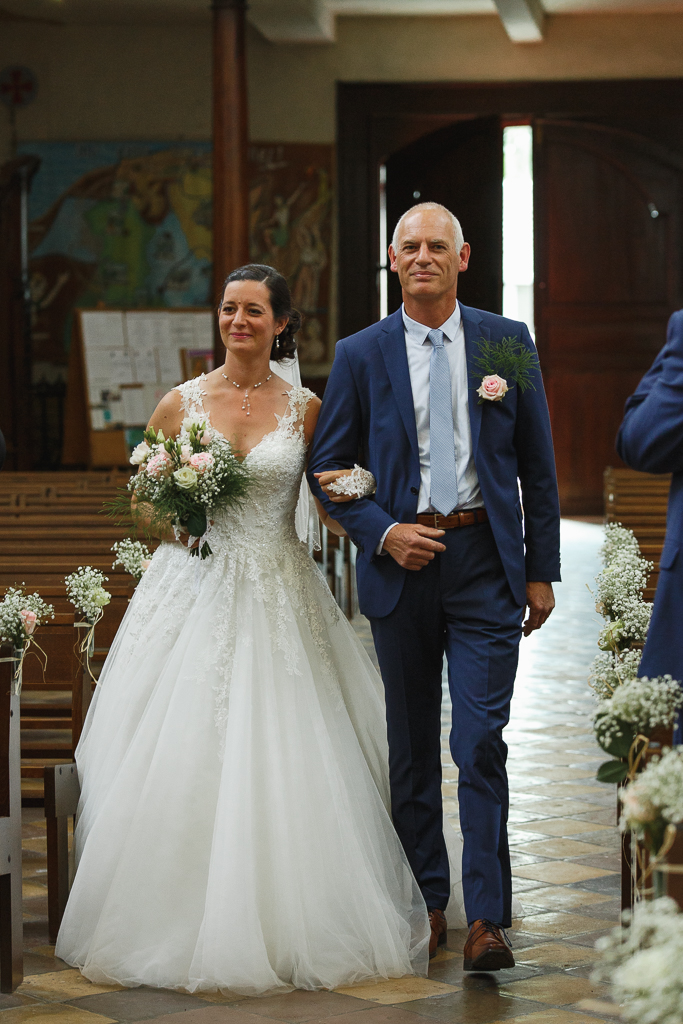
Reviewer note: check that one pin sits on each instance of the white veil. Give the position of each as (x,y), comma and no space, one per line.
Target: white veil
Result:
(306,516)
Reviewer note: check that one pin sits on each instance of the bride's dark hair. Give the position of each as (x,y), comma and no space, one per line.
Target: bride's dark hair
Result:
(284,347)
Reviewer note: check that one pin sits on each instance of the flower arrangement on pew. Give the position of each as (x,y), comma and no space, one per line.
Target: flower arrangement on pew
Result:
(88,596)
(652,805)
(181,482)
(643,963)
(629,709)
(20,615)
(133,556)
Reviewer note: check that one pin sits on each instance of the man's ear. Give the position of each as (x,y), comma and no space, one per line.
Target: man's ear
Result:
(392,260)
(464,257)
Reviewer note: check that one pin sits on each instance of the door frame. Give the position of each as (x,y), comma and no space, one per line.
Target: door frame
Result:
(376,119)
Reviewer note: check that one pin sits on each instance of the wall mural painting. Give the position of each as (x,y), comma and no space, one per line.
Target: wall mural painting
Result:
(128,225)
(291,229)
(115,224)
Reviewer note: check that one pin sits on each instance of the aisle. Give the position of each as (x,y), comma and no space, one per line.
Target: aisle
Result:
(565,864)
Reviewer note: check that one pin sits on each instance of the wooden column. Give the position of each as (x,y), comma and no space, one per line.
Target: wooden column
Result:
(230,140)
(11,920)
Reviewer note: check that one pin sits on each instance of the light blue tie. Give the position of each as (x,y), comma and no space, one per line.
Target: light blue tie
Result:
(444,482)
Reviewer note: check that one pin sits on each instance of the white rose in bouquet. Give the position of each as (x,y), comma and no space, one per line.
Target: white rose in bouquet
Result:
(140,453)
(186,478)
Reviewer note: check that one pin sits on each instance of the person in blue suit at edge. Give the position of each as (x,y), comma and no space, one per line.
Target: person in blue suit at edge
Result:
(650,439)
(448,560)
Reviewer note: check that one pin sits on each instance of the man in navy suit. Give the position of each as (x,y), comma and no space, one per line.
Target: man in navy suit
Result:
(445,562)
(651,440)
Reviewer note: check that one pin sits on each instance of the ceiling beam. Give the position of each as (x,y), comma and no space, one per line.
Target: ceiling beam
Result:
(293,21)
(523,20)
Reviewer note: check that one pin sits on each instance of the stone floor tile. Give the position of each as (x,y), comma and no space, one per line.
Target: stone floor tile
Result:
(519,836)
(378,1015)
(611,909)
(58,986)
(555,808)
(552,1016)
(10,999)
(600,1006)
(558,872)
(564,774)
(566,827)
(55,1013)
(560,848)
(562,897)
(610,860)
(452,973)
(472,1005)
(142,1003)
(561,925)
(599,816)
(39,963)
(520,885)
(610,883)
(213,1015)
(562,955)
(556,989)
(294,1007)
(32,888)
(398,990)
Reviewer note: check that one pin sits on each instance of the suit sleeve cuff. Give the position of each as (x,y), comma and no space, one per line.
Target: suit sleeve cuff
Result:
(378,549)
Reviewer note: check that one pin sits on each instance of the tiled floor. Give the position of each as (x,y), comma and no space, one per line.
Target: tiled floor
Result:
(565,864)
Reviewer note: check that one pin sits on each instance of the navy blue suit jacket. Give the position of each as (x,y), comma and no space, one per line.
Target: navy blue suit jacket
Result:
(651,439)
(368,416)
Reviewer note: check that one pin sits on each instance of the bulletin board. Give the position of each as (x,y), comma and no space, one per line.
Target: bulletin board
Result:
(124,362)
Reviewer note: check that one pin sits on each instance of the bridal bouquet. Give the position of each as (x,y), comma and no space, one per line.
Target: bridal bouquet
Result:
(183,481)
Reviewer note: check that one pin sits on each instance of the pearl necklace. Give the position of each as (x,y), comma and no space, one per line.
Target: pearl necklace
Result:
(246,404)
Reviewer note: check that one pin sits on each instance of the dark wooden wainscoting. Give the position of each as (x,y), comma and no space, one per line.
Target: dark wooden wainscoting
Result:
(608,171)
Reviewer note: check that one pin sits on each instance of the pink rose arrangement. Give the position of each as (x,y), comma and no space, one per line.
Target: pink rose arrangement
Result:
(159,464)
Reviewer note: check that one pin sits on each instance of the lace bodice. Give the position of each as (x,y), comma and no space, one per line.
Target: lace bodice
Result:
(276,463)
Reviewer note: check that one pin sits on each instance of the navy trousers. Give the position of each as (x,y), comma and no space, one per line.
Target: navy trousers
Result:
(460,604)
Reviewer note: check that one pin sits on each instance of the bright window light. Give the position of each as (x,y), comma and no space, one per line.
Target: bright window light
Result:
(518,225)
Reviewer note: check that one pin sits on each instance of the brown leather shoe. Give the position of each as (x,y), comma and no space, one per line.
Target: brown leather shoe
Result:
(439,936)
(487,948)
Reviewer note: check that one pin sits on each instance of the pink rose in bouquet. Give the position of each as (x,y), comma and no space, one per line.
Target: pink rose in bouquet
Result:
(28,620)
(493,388)
(201,461)
(185,452)
(159,465)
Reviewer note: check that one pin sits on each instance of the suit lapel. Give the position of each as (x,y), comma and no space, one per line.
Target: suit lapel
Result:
(473,330)
(392,345)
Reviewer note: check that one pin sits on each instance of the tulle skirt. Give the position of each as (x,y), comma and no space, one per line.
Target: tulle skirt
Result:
(233,831)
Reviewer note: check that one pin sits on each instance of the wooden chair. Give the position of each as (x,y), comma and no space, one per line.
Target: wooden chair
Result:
(11,919)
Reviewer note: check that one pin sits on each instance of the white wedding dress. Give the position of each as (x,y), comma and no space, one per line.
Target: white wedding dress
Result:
(233,830)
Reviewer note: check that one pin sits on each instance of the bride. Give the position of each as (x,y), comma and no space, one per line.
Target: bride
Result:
(233,830)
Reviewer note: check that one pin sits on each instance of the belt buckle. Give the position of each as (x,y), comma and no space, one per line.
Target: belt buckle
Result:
(436,520)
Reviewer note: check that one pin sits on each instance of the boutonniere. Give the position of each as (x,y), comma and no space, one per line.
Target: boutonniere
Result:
(503,364)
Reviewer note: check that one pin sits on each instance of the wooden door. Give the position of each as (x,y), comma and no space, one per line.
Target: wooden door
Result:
(608,275)
(461,167)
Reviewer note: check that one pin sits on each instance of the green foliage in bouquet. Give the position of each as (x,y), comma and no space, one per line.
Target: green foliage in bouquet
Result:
(509,359)
(182,482)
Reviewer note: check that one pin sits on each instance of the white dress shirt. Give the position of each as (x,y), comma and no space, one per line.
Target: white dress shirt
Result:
(419,352)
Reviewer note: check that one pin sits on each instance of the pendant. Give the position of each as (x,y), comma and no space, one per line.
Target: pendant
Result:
(246,404)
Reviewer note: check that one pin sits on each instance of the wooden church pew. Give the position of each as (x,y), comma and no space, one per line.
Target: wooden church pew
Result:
(11,919)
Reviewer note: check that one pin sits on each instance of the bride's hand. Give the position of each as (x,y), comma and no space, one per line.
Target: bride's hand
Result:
(363,480)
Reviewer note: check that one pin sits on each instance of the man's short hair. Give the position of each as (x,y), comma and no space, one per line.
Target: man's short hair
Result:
(457,230)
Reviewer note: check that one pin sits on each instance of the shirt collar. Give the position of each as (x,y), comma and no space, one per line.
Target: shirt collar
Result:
(417,333)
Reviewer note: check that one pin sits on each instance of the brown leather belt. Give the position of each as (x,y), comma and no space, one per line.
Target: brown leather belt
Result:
(452,522)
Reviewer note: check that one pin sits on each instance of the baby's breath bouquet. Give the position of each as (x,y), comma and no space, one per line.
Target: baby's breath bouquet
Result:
(654,800)
(643,963)
(133,556)
(20,616)
(86,592)
(183,481)
(629,708)
(635,709)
